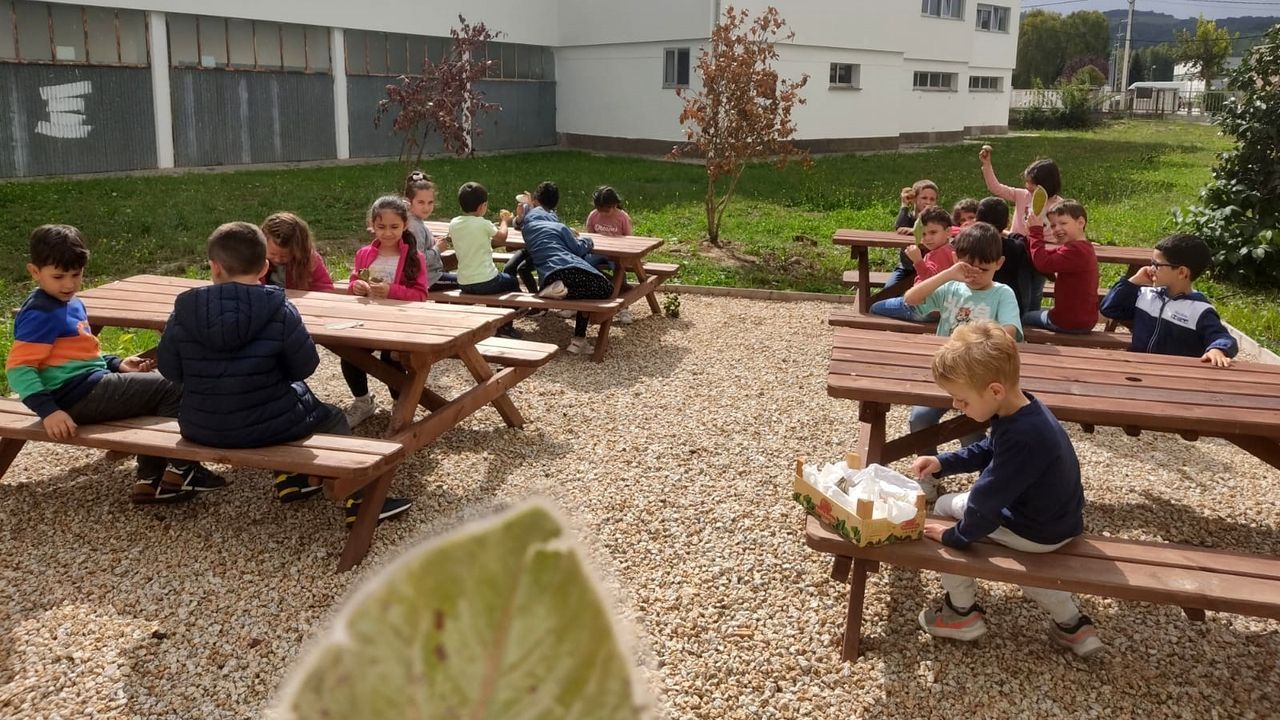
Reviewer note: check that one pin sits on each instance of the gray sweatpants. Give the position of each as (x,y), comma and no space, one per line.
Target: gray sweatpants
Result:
(119,396)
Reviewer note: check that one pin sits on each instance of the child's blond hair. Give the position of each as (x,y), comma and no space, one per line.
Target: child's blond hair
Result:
(978,354)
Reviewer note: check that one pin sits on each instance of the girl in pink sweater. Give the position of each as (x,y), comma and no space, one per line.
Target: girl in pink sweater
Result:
(295,264)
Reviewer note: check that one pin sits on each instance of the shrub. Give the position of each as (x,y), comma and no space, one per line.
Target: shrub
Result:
(1238,212)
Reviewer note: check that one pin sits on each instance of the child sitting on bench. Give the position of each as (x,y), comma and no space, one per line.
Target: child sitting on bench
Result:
(1028,496)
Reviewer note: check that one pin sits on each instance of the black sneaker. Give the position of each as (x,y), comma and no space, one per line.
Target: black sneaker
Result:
(192,476)
(153,492)
(291,487)
(391,507)
(509,331)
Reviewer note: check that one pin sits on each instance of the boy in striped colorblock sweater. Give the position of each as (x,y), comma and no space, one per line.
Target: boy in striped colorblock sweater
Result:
(57,368)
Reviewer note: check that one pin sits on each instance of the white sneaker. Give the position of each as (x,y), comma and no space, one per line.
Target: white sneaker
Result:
(571,314)
(581,346)
(360,409)
(554,291)
(624,317)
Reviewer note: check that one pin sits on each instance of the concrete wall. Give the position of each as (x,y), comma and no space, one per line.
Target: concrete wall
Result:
(61,120)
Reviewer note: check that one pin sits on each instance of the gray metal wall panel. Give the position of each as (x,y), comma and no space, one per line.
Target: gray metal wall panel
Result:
(527,118)
(67,120)
(230,118)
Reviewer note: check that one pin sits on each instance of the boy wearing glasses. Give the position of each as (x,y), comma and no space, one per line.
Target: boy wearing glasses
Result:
(1169,317)
(964,293)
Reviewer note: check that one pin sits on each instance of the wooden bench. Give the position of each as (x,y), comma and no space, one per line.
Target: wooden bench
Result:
(1192,578)
(516,353)
(1093,339)
(346,463)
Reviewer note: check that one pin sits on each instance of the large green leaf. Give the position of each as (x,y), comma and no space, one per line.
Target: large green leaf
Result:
(498,619)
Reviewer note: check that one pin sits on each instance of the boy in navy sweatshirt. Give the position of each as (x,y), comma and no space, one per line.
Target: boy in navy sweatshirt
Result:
(1028,495)
(1169,317)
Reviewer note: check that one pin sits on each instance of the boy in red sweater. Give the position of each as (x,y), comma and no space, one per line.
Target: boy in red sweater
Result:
(1074,264)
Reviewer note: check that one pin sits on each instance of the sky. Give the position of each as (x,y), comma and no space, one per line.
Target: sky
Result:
(1211,9)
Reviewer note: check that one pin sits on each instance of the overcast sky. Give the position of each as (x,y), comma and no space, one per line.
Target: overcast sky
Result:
(1212,9)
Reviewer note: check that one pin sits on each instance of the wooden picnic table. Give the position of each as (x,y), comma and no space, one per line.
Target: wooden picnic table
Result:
(860,241)
(628,251)
(1132,391)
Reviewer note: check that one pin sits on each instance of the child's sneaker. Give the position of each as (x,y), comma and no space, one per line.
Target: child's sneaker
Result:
(948,622)
(153,492)
(554,291)
(509,331)
(291,487)
(624,317)
(191,476)
(581,346)
(360,409)
(391,507)
(1081,637)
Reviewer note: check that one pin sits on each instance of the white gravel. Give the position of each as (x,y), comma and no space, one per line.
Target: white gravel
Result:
(673,459)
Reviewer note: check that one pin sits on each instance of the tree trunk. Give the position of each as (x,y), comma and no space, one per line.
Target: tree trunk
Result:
(713,224)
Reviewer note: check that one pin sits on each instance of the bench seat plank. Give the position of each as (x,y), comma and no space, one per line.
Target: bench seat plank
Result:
(1094,339)
(527,300)
(516,353)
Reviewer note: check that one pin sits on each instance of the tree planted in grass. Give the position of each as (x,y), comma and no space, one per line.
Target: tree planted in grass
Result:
(1206,50)
(743,110)
(1238,213)
(443,99)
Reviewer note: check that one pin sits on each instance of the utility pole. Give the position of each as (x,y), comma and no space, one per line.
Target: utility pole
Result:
(1128,38)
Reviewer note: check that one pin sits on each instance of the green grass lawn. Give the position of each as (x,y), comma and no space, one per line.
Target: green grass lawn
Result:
(1128,174)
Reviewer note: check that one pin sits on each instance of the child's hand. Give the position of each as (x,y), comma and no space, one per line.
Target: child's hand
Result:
(379,290)
(934,529)
(1144,276)
(360,287)
(1034,220)
(504,215)
(442,244)
(984,155)
(960,271)
(137,364)
(914,254)
(1216,357)
(60,426)
(925,465)
(904,231)
(907,197)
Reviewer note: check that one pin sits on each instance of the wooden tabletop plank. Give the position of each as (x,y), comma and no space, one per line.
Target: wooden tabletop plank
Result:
(1116,254)
(626,247)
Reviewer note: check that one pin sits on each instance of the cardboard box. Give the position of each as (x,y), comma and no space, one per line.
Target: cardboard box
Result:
(857,527)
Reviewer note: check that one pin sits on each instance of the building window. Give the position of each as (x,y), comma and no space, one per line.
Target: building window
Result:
(230,43)
(845,75)
(71,34)
(934,81)
(953,9)
(986,83)
(675,67)
(993,17)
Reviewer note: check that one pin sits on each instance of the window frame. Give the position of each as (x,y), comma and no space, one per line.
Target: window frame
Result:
(995,12)
(672,81)
(947,9)
(855,76)
(82,35)
(268,55)
(929,75)
(994,83)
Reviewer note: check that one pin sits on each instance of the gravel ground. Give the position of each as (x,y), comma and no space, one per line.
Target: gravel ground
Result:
(673,460)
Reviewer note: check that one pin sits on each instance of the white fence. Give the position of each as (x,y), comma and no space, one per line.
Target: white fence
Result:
(1140,101)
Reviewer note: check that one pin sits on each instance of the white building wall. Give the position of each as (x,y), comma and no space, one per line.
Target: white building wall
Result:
(616,91)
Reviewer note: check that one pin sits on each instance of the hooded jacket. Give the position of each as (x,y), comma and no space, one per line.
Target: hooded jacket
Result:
(241,353)
(551,244)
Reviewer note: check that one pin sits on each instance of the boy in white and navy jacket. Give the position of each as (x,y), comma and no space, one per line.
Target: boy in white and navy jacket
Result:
(1169,317)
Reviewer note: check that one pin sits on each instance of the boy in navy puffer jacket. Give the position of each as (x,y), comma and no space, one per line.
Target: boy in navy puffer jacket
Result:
(241,353)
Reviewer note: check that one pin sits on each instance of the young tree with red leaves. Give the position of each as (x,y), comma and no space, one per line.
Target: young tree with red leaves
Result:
(443,99)
(743,110)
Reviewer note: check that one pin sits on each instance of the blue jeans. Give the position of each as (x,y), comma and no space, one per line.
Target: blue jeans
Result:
(923,416)
(897,308)
(1040,318)
(1037,291)
(902,273)
(496,285)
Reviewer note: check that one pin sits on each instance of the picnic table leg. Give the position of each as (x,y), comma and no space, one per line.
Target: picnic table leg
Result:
(602,340)
(840,568)
(641,276)
(619,278)
(9,450)
(853,618)
(863,256)
(1194,614)
(410,394)
(871,435)
(481,372)
(361,536)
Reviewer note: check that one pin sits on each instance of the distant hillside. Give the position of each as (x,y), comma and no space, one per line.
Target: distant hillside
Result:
(1153,28)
